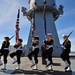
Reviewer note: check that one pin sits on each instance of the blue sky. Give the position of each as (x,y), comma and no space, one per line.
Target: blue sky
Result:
(8,12)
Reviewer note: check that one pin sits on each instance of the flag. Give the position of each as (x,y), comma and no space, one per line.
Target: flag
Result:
(17,25)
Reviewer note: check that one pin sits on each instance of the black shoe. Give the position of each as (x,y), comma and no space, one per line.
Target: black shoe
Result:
(32,65)
(3,68)
(68,70)
(51,70)
(1,64)
(14,62)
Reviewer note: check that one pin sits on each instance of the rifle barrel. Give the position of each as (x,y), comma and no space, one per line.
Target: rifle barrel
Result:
(11,37)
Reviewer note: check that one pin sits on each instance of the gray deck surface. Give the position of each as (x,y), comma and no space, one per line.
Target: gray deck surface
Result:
(58,67)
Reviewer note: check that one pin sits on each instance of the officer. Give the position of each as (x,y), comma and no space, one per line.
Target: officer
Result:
(48,44)
(34,52)
(66,46)
(18,53)
(5,51)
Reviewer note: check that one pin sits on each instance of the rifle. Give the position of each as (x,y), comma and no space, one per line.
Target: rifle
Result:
(11,37)
(68,37)
(70,34)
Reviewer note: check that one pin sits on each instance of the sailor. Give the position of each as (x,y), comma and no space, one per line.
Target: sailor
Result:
(0,57)
(5,51)
(48,44)
(18,53)
(66,46)
(34,52)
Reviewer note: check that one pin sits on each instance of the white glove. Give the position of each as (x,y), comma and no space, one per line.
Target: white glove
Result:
(62,46)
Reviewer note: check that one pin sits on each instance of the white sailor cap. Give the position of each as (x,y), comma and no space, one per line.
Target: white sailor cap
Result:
(36,37)
(49,34)
(64,35)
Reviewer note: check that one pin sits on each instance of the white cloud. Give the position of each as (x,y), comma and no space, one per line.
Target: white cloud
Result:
(8,14)
(7,10)
(67,30)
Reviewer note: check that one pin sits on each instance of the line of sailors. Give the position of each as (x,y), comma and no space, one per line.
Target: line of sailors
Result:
(47,50)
